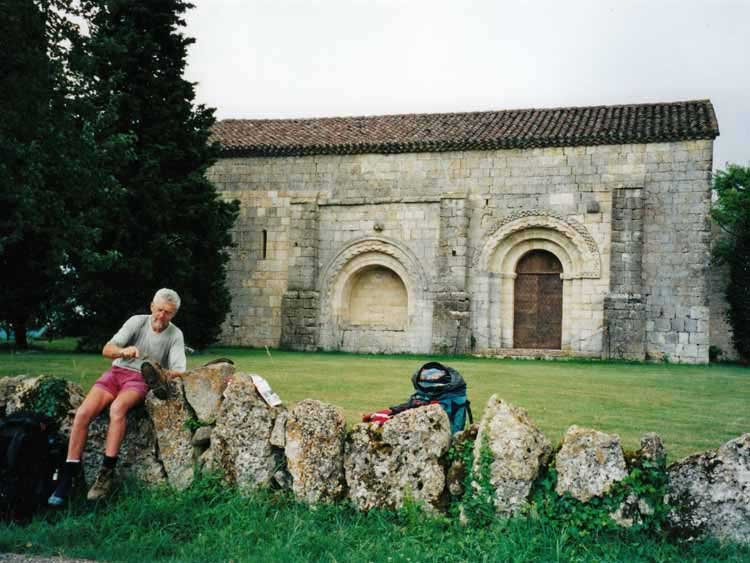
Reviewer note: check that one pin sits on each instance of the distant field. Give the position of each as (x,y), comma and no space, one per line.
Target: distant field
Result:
(693,408)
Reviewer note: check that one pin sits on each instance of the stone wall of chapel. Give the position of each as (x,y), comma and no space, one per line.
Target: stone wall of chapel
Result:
(399,196)
(414,225)
(676,251)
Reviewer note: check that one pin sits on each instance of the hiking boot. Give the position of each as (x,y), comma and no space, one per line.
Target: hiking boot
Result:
(155,379)
(218,361)
(103,485)
(70,483)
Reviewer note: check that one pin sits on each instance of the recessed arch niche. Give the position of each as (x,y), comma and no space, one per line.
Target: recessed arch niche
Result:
(374,299)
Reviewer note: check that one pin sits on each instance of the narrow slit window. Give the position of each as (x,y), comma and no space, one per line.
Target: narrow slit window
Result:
(264,244)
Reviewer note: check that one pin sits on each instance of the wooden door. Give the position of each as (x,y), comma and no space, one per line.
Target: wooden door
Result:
(537,318)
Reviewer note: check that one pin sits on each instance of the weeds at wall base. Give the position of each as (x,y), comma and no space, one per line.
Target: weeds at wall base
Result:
(211,522)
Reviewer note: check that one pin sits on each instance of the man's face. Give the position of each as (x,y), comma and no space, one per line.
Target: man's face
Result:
(161,313)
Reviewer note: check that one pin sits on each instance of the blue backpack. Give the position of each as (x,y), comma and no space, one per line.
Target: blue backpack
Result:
(436,383)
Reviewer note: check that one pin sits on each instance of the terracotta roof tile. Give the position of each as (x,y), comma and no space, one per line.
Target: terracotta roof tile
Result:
(438,132)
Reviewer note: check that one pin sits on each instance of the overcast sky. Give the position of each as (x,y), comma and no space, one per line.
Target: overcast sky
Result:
(306,58)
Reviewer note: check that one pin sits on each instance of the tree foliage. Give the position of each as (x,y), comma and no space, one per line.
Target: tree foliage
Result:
(732,212)
(164,225)
(50,160)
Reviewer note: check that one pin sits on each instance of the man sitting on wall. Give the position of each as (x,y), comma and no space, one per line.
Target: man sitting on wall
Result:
(140,347)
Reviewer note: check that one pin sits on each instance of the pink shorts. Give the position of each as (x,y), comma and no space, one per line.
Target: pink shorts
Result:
(118,379)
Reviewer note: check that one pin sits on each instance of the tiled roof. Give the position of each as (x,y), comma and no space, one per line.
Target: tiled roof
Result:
(437,132)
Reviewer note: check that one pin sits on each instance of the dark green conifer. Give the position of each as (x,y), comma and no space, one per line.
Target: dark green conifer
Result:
(164,225)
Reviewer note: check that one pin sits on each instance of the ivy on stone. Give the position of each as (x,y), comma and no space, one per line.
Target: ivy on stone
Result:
(636,502)
(49,397)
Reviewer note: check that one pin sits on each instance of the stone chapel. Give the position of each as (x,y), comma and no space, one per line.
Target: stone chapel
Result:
(578,231)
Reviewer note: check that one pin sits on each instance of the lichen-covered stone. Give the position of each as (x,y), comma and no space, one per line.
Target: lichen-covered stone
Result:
(278,434)
(173,437)
(241,441)
(8,387)
(652,448)
(402,459)
(519,451)
(314,448)
(22,392)
(137,457)
(204,388)
(589,463)
(710,492)
(202,436)
(631,511)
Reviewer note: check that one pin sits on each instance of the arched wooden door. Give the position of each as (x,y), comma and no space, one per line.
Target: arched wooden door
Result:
(537,316)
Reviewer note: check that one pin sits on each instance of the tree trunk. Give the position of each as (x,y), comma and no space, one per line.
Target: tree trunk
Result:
(19,328)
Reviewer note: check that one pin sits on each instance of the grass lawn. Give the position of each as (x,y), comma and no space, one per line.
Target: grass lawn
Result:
(693,408)
(210,522)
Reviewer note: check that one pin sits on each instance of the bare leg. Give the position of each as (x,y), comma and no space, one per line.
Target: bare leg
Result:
(94,403)
(118,413)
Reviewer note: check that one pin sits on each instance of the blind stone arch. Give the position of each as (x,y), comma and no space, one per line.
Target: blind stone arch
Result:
(342,275)
(375,296)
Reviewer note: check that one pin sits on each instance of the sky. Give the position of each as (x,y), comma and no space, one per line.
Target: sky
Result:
(261,59)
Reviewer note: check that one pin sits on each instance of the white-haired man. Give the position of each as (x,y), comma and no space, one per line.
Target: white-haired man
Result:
(140,347)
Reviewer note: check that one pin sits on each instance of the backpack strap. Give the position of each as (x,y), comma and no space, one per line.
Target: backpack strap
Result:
(14,448)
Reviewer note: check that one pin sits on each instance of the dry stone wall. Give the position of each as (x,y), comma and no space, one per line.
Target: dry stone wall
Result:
(646,296)
(519,453)
(307,450)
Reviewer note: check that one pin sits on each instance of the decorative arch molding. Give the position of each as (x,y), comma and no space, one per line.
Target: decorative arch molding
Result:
(494,274)
(374,246)
(335,283)
(568,239)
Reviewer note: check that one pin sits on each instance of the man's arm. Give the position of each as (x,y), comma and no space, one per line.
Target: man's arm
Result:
(177,360)
(118,347)
(113,351)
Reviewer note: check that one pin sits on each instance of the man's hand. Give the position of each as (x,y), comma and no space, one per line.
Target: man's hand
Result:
(113,351)
(129,352)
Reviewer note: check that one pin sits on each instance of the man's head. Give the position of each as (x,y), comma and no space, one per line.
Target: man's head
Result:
(164,307)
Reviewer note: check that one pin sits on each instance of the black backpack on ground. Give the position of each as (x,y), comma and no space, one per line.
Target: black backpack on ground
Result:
(437,383)
(31,453)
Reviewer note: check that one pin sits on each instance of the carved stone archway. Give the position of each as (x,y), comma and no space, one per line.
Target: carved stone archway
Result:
(494,272)
(341,276)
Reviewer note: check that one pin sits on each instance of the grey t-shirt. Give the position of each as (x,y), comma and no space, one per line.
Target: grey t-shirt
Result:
(166,347)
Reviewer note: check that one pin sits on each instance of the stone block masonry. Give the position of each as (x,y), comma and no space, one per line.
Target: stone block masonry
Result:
(628,223)
(624,309)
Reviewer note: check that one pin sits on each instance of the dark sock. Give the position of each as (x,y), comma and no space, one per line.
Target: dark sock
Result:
(109,462)
(68,471)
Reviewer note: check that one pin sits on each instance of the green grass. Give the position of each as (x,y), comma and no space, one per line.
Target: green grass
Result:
(211,522)
(693,408)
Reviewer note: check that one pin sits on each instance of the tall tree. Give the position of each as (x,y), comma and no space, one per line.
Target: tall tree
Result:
(732,212)
(50,165)
(166,225)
